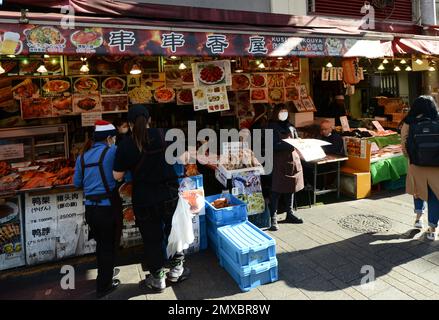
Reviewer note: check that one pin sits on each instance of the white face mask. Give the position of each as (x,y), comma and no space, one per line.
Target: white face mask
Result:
(123,130)
(283,116)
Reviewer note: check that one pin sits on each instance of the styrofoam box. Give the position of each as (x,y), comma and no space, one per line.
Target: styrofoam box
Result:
(246,244)
(250,277)
(225,216)
(191,183)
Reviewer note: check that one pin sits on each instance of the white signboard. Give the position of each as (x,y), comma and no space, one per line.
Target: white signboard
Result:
(11,231)
(11,151)
(378,125)
(89,119)
(345,124)
(309,149)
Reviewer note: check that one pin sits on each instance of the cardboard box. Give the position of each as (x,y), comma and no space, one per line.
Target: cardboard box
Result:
(356,184)
(302,119)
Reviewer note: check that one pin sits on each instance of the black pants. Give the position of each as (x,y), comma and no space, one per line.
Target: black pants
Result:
(102,222)
(274,202)
(155,226)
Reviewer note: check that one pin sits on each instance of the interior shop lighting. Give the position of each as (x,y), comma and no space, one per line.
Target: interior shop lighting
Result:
(408,68)
(11,55)
(329,65)
(397,68)
(403,61)
(46,56)
(182,66)
(25,61)
(280,58)
(1,69)
(135,69)
(419,61)
(84,68)
(431,69)
(381,67)
(173,57)
(385,61)
(42,68)
(261,65)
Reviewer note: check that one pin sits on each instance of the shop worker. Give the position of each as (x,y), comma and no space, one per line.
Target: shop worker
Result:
(155,194)
(328,134)
(103,208)
(287,175)
(422,179)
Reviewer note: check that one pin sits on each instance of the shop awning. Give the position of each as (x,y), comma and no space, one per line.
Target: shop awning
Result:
(416,46)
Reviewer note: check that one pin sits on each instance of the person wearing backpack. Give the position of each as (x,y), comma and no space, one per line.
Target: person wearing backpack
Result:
(420,143)
(103,206)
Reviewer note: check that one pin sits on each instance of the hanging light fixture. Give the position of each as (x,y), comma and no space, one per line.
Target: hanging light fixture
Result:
(419,61)
(381,67)
(408,68)
(42,68)
(385,61)
(403,61)
(431,68)
(84,68)
(11,55)
(2,70)
(135,69)
(173,57)
(280,58)
(261,65)
(182,66)
(397,69)
(329,65)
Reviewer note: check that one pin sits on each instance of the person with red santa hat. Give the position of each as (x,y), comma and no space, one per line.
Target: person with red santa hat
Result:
(103,206)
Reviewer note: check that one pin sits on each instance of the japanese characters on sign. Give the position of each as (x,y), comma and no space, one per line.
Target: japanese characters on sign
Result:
(51,39)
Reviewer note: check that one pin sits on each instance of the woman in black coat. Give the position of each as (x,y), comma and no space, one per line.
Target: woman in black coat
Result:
(287,175)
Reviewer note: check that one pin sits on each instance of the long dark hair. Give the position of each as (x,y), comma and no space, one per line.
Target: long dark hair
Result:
(140,132)
(424,106)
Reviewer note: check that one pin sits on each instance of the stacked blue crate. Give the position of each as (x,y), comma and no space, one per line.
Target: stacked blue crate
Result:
(248,254)
(222,217)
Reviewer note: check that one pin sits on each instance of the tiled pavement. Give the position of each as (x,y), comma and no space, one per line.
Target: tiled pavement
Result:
(317,260)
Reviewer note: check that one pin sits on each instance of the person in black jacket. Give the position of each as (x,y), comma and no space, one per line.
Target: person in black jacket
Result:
(155,194)
(328,134)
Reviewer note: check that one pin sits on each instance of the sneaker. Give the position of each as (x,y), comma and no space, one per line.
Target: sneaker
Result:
(178,274)
(116,272)
(156,284)
(419,224)
(274,225)
(115,284)
(291,218)
(431,235)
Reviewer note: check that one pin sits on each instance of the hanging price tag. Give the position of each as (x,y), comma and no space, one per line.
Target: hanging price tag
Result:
(89,119)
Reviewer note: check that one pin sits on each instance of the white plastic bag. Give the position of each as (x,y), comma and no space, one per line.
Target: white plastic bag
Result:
(182,233)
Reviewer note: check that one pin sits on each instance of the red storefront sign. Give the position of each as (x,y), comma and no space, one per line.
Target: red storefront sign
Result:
(40,39)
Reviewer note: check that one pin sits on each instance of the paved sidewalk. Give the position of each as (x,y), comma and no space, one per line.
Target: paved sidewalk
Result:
(317,260)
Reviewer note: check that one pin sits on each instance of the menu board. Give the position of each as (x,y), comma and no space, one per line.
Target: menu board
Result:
(55,227)
(247,187)
(184,97)
(85,84)
(51,87)
(199,99)
(41,222)
(212,73)
(86,103)
(114,103)
(113,85)
(11,234)
(176,78)
(217,100)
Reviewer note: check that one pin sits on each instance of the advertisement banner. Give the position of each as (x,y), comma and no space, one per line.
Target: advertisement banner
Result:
(40,39)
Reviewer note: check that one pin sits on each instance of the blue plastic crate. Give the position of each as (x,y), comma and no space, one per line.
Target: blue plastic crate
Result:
(250,277)
(246,244)
(213,240)
(191,183)
(225,216)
